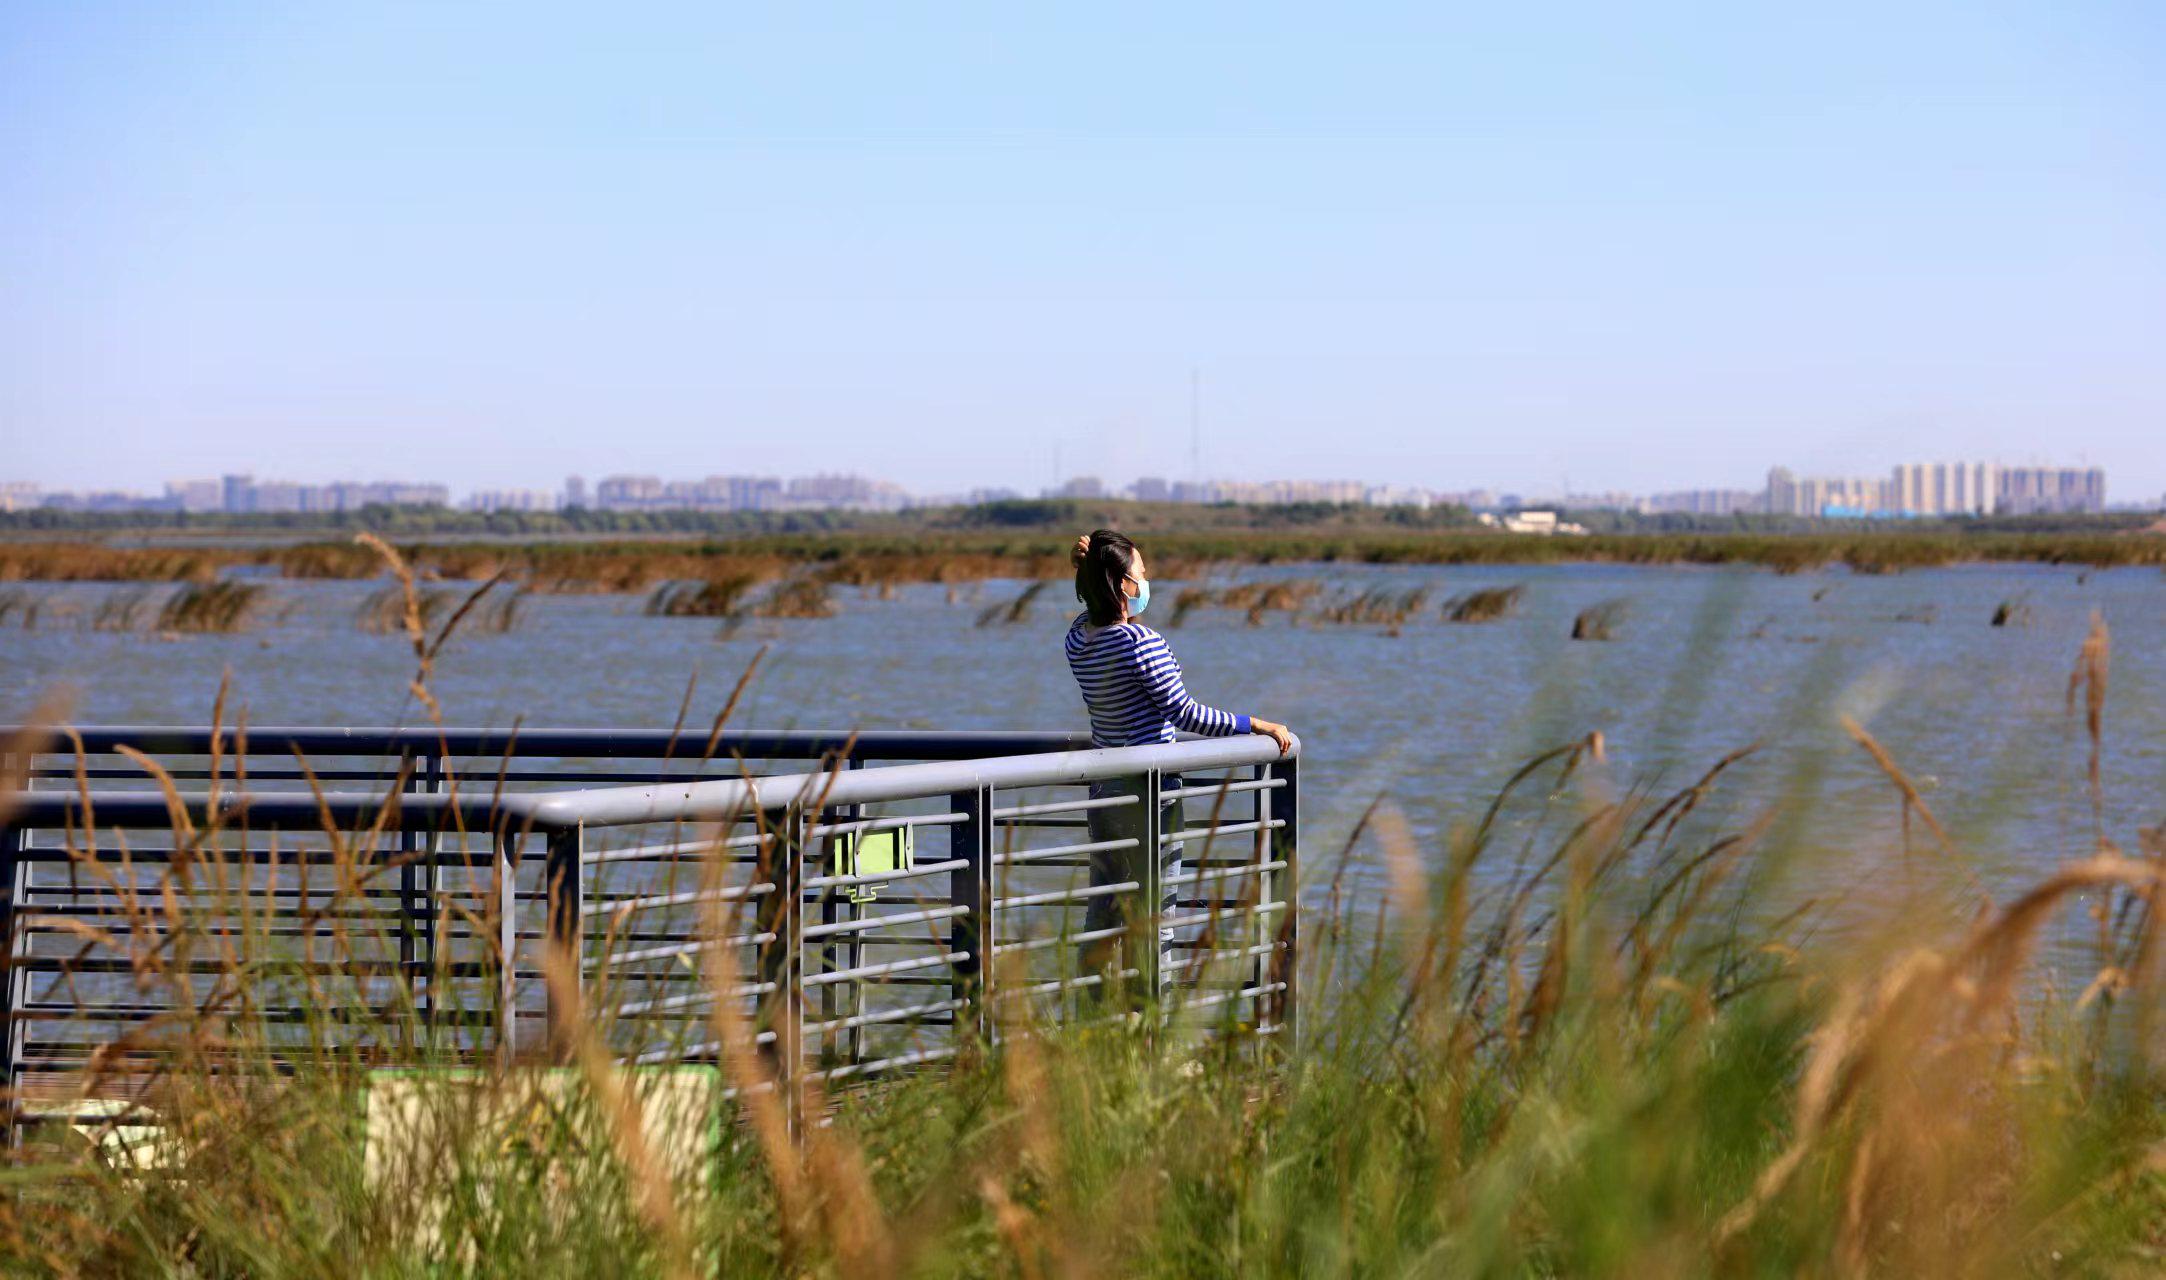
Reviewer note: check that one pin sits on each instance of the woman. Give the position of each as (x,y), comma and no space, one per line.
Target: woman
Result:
(1132,687)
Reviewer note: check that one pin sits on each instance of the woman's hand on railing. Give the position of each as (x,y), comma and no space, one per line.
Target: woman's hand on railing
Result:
(1276,732)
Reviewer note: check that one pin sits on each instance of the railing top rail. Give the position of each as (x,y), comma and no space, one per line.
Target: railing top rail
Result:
(688,743)
(690,801)
(726,798)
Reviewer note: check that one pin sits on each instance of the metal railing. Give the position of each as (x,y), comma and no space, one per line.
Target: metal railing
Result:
(389,893)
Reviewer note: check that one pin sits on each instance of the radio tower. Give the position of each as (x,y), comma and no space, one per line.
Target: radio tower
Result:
(1195,429)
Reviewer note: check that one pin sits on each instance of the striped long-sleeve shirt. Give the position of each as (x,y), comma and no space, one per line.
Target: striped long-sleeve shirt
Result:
(1132,687)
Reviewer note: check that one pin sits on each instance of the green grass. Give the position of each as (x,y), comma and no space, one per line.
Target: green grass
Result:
(1549,1049)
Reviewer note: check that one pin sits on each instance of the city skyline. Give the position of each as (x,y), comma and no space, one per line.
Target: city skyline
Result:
(1910,489)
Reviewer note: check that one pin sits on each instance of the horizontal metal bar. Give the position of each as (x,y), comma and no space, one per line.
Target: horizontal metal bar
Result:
(894,821)
(903,1014)
(1066,895)
(678,1053)
(1064,850)
(692,1051)
(885,1064)
(868,923)
(676,950)
(877,970)
(1226,997)
(1063,806)
(1224,873)
(1259,909)
(690,1000)
(1222,789)
(1224,829)
(1040,944)
(1063,984)
(907,873)
(1204,959)
(661,852)
(735,893)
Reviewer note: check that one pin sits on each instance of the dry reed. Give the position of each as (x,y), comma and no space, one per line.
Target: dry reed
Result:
(1487,604)
(1599,622)
(222,606)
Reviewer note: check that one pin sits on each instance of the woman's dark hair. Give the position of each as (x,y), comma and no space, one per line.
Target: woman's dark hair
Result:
(1101,561)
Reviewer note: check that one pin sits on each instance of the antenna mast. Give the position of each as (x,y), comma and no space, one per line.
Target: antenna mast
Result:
(1195,427)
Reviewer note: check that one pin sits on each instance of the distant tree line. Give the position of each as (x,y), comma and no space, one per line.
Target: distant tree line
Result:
(1017,514)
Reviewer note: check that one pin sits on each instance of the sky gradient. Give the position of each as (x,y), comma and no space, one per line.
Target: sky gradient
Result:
(1641,247)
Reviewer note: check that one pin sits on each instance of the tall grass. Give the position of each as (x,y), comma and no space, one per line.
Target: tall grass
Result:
(1584,1034)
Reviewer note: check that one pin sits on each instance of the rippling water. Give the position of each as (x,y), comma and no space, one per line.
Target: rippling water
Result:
(1706,661)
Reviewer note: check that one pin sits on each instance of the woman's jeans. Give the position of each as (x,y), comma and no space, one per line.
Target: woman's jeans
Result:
(1115,866)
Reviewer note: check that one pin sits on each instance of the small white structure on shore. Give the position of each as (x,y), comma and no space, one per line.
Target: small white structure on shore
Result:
(1545,523)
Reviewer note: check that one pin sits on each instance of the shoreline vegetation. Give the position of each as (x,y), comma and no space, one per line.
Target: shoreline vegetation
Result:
(883,552)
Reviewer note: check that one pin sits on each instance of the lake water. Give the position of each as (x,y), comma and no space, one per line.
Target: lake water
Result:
(1435,718)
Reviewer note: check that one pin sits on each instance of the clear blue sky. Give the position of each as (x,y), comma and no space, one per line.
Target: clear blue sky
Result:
(1639,246)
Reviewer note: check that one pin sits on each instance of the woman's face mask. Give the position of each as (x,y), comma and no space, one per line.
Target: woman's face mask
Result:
(1141,600)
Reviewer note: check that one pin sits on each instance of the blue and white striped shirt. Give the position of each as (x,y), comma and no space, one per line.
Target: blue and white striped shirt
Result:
(1132,687)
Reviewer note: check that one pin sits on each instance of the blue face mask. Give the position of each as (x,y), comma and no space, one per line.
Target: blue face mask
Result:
(1141,600)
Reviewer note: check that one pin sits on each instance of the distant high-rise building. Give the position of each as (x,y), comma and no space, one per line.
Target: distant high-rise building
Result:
(1706,502)
(575,491)
(1396,495)
(18,495)
(625,493)
(237,493)
(1788,495)
(1945,488)
(2051,490)
(193,495)
(511,500)
(1089,488)
(1150,489)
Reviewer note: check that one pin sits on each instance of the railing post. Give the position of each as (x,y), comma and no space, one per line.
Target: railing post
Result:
(971,888)
(417,899)
(1286,846)
(782,960)
(1145,925)
(507,945)
(13,840)
(845,951)
(565,893)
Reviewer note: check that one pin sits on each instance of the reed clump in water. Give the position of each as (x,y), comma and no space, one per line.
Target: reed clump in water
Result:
(803,597)
(1256,601)
(122,609)
(217,607)
(1013,612)
(1600,621)
(706,598)
(1377,607)
(19,604)
(1488,604)
(383,611)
